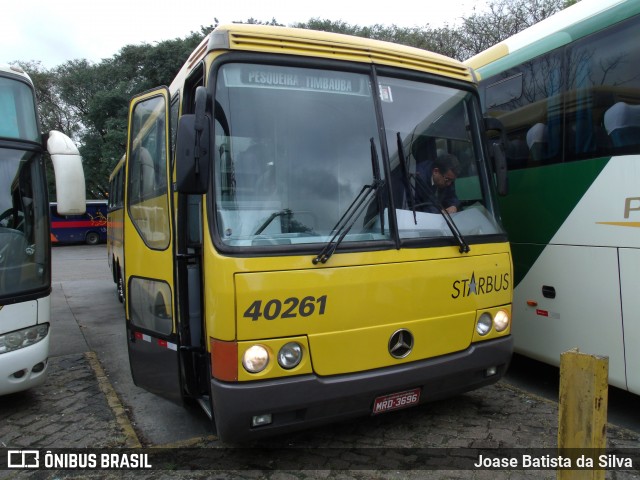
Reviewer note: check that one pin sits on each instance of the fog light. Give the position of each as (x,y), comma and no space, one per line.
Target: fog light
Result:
(260,420)
(255,359)
(501,321)
(484,324)
(290,355)
(38,367)
(491,371)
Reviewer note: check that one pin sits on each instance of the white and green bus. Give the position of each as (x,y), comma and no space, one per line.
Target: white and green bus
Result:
(567,91)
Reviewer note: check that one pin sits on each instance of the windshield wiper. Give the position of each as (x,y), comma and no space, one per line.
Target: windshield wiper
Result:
(353,211)
(273,216)
(464,246)
(288,223)
(411,190)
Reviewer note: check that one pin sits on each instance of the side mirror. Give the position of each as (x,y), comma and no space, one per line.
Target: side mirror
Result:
(67,165)
(193,149)
(497,152)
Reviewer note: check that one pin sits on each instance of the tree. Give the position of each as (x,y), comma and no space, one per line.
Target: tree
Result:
(252,21)
(503,19)
(478,31)
(89,102)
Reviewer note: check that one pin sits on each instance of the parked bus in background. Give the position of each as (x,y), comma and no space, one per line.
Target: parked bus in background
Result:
(115,221)
(567,91)
(25,248)
(89,228)
(283,264)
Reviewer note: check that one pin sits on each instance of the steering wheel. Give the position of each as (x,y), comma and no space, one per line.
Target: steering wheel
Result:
(6,214)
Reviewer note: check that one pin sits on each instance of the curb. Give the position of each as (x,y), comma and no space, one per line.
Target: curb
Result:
(132,440)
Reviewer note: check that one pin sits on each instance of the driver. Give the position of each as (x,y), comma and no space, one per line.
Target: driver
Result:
(439,178)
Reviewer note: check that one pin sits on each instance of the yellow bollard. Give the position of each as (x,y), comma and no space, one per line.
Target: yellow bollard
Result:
(582,423)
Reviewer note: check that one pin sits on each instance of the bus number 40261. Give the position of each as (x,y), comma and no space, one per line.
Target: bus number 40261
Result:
(292,307)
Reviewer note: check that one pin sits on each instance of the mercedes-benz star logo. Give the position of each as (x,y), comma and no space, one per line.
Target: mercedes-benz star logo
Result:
(401,343)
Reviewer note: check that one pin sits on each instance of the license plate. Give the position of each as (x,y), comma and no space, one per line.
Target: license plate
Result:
(396,401)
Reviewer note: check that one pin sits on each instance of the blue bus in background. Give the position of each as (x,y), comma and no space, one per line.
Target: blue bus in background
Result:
(89,228)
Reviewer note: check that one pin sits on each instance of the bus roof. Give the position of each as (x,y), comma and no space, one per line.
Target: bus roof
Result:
(570,24)
(14,70)
(303,42)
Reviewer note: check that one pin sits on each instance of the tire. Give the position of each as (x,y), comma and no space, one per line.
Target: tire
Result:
(92,238)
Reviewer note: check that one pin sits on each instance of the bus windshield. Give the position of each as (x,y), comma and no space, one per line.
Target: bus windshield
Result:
(17,111)
(24,260)
(298,149)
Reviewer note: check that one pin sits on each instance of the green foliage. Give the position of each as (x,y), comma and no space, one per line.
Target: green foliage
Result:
(252,21)
(89,102)
(503,19)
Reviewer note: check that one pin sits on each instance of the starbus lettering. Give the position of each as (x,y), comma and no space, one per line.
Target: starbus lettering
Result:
(480,286)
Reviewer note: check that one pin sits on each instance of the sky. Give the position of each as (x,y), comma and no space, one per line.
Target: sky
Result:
(55,31)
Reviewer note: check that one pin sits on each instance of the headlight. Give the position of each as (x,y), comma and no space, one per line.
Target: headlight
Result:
(501,321)
(23,338)
(255,359)
(484,324)
(290,355)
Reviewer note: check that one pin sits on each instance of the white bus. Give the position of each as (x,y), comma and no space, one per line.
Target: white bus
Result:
(25,246)
(567,91)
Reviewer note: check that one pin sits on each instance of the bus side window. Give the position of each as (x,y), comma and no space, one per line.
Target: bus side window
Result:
(533,97)
(147,200)
(602,115)
(147,173)
(142,176)
(152,306)
(622,122)
(537,141)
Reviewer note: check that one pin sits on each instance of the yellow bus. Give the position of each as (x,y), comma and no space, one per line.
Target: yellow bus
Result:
(287,260)
(115,221)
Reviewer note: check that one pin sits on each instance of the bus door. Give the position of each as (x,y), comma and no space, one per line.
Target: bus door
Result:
(149,249)
(629,260)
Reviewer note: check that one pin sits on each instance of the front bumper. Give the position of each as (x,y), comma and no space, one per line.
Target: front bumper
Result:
(305,401)
(17,367)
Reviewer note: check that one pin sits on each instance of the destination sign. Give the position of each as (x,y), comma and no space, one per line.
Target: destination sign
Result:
(264,76)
